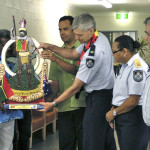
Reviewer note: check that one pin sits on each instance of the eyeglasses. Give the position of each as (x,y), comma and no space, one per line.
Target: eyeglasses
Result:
(114,52)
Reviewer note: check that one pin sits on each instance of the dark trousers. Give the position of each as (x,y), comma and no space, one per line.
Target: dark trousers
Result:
(97,134)
(70,129)
(21,141)
(133,134)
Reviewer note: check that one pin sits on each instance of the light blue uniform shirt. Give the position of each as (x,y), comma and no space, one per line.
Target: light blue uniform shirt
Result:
(126,84)
(146,101)
(101,75)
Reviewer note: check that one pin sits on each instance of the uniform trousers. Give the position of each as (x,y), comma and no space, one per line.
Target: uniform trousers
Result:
(6,135)
(97,134)
(24,128)
(133,134)
(70,129)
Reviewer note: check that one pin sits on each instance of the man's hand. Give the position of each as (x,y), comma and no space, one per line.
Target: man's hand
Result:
(46,46)
(109,116)
(48,55)
(111,124)
(2,106)
(47,106)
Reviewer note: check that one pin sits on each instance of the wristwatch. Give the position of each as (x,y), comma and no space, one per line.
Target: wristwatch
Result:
(54,104)
(114,113)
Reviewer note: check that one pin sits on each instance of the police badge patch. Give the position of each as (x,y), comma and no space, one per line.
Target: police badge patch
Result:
(138,75)
(90,63)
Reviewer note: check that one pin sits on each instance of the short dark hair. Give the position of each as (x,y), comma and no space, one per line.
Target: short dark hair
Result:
(127,42)
(4,34)
(70,18)
(147,21)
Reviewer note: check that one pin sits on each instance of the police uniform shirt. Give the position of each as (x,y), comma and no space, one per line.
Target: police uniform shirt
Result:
(99,74)
(146,101)
(130,81)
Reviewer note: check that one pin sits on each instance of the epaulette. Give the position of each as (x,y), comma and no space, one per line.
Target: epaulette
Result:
(116,63)
(90,61)
(137,63)
(92,50)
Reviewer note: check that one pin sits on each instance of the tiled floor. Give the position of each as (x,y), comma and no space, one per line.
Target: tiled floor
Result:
(51,142)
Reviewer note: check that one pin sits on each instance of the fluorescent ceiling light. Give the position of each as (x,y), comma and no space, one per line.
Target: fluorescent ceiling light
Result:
(105,3)
(116,1)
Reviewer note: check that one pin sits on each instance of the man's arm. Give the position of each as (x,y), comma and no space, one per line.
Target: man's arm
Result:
(127,105)
(65,95)
(64,52)
(70,68)
(55,89)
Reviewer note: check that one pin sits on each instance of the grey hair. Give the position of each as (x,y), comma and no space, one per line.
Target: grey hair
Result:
(147,21)
(84,22)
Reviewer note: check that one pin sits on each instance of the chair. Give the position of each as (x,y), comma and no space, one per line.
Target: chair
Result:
(38,122)
(51,117)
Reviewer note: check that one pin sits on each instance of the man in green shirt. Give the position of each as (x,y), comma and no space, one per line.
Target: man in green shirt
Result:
(62,73)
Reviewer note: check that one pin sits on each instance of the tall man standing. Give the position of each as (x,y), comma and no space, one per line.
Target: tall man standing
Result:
(62,73)
(146,97)
(96,75)
(147,30)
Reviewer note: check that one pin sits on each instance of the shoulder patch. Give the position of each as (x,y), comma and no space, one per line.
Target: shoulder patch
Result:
(138,75)
(90,62)
(137,63)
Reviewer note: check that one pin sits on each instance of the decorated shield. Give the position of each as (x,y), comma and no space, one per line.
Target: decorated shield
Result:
(23,87)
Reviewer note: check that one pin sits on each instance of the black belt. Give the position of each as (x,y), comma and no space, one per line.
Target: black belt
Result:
(133,108)
(100,91)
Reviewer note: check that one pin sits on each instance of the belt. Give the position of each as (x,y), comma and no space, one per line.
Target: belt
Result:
(100,91)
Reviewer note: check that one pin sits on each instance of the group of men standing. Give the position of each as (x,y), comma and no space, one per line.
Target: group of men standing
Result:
(95,73)
(98,90)
(86,115)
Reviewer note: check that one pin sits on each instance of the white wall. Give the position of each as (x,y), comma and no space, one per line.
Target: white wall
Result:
(134,23)
(110,23)
(42,17)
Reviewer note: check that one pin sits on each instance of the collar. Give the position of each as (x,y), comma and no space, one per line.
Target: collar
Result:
(131,61)
(76,44)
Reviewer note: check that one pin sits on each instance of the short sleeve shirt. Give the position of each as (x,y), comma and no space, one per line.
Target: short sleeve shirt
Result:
(146,101)
(130,81)
(101,75)
(65,81)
